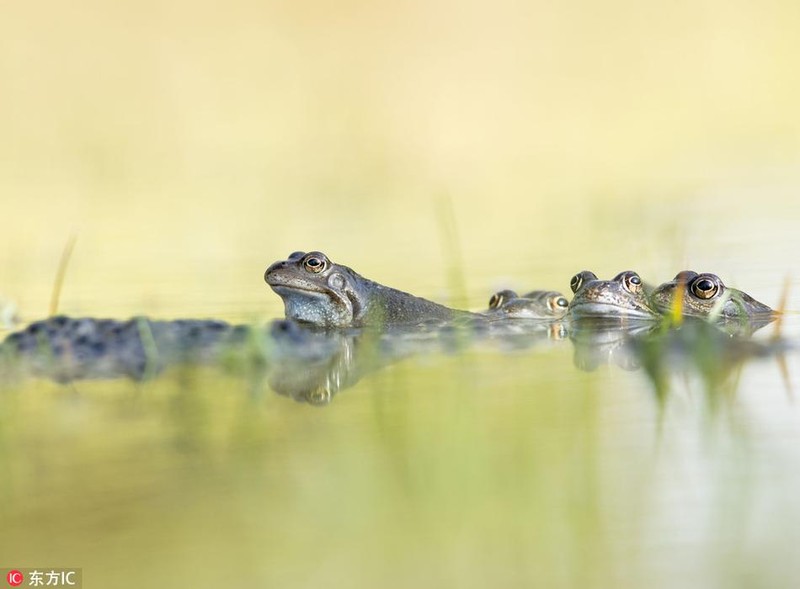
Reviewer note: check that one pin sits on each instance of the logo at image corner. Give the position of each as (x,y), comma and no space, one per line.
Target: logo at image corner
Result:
(15,578)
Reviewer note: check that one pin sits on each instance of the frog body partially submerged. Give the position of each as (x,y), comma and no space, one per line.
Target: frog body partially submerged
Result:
(319,292)
(537,304)
(624,296)
(705,295)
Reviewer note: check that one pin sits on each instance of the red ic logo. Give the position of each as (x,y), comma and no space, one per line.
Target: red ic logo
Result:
(15,578)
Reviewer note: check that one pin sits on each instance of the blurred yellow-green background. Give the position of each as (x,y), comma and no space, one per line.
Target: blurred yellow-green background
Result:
(189,144)
(445,148)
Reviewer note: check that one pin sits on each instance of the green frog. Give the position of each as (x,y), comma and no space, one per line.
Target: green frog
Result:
(317,291)
(705,295)
(537,304)
(624,296)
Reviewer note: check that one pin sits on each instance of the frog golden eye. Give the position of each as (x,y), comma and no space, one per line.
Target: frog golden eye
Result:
(576,282)
(501,297)
(314,264)
(557,302)
(632,282)
(704,288)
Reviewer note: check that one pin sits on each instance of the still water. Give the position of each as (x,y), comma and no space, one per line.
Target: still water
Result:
(469,466)
(449,149)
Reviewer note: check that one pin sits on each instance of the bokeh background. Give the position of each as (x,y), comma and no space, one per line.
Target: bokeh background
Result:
(189,144)
(445,148)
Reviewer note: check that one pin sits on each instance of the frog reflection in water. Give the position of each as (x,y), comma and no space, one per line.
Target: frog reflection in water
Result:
(537,304)
(317,291)
(704,295)
(624,296)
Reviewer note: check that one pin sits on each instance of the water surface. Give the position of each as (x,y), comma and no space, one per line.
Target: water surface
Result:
(447,149)
(495,463)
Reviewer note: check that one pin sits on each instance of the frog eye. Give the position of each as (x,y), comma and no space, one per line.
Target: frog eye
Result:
(314,264)
(632,282)
(580,279)
(501,297)
(704,288)
(557,302)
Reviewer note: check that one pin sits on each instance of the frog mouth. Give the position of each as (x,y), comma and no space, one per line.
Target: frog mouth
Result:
(603,309)
(289,285)
(282,289)
(292,283)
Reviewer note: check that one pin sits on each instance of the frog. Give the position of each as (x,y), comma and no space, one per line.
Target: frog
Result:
(624,296)
(320,292)
(537,304)
(705,295)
